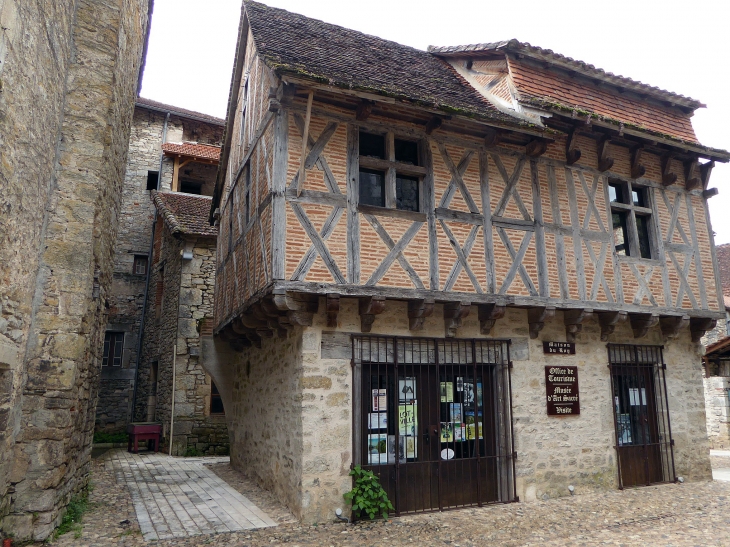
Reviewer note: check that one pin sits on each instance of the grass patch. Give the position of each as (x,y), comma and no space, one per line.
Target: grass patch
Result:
(192,452)
(102,437)
(71,521)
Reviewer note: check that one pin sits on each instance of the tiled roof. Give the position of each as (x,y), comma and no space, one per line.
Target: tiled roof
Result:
(293,44)
(723,265)
(193,150)
(185,214)
(717,347)
(550,56)
(544,86)
(182,112)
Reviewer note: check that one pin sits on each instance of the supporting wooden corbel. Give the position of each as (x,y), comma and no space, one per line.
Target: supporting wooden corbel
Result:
(488,315)
(536,148)
(536,318)
(711,192)
(274,103)
(363,110)
(692,175)
(418,311)
(573,320)
(333,309)
(572,152)
(672,324)
(668,178)
(454,313)
(299,309)
(638,169)
(491,137)
(698,326)
(705,172)
(608,320)
(642,322)
(305,137)
(433,124)
(605,162)
(370,306)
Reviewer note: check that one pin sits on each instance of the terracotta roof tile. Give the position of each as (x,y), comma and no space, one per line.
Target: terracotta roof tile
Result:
(185,214)
(535,84)
(587,69)
(294,44)
(193,150)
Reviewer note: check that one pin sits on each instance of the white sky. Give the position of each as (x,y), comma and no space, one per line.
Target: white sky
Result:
(680,46)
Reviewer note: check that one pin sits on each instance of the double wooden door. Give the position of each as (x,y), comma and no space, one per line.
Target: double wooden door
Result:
(434,426)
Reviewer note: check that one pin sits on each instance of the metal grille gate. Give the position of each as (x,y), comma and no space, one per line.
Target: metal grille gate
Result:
(433,419)
(641,415)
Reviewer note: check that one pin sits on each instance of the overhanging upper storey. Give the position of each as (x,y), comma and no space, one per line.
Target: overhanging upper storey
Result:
(566,92)
(358,168)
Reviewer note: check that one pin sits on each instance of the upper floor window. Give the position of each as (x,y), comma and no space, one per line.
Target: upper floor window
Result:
(139,267)
(389,172)
(152,177)
(631,216)
(216,403)
(113,347)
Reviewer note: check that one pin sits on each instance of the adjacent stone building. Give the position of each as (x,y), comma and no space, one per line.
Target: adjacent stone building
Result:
(170,149)
(69,73)
(482,272)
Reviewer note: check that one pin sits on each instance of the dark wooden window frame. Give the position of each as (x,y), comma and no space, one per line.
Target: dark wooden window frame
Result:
(140,264)
(625,208)
(113,349)
(216,402)
(393,170)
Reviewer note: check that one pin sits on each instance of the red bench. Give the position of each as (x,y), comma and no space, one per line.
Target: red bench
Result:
(143,431)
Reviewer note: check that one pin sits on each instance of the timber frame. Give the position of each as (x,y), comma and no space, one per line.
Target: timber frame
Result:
(508,194)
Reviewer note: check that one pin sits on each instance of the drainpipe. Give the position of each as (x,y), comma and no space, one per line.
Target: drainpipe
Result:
(172,412)
(147,281)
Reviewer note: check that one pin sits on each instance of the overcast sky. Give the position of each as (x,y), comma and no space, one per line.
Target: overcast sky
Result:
(680,46)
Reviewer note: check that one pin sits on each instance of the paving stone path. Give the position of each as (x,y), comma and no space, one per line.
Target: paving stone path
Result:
(678,515)
(181,497)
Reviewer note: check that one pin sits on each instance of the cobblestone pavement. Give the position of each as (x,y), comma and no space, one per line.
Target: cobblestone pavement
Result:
(679,515)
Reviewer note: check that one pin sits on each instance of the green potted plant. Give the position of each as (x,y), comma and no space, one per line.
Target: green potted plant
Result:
(367,497)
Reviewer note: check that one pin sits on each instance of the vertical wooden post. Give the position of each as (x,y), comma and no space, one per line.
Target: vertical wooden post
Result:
(175,173)
(305,137)
(278,203)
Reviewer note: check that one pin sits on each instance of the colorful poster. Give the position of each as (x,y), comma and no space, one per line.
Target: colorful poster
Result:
(380,400)
(459,432)
(377,420)
(447,392)
(407,419)
(455,409)
(406,389)
(470,430)
(447,432)
(377,449)
(407,449)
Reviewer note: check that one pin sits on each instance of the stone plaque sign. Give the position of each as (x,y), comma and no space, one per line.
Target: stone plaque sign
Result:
(561,386)
(560,348)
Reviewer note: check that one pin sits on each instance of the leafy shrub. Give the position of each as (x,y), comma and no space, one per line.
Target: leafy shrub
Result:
(368,496)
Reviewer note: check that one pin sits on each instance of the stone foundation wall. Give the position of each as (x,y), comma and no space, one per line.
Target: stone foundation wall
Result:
(552,452)
(80,99)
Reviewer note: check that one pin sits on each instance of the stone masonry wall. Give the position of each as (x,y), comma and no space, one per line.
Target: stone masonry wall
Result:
(717,405)
(34,62)
(81,200)
(552,452)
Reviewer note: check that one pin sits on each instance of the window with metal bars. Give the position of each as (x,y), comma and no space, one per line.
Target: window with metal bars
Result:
(644,442)
(433,419)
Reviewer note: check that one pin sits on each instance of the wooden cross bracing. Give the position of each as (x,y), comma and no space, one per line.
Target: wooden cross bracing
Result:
(673,249)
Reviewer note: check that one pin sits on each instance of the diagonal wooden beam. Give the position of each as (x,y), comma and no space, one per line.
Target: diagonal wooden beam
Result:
(510,188)
(402,260)
(643,281)
(517,265)
(318,243)
(305,264)
(461,256)
(394,252)
(457,172)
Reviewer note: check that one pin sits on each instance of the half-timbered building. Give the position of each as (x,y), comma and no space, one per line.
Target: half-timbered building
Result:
(481,272)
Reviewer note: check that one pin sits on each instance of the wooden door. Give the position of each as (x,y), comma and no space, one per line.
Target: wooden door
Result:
(638,437)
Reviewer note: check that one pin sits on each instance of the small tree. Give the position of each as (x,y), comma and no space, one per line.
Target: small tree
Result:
(367,496)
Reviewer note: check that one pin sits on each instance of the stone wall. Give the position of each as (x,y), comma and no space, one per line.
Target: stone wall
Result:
(717,405)
(186,303)
(137,216)
(314,398)
(71,73)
